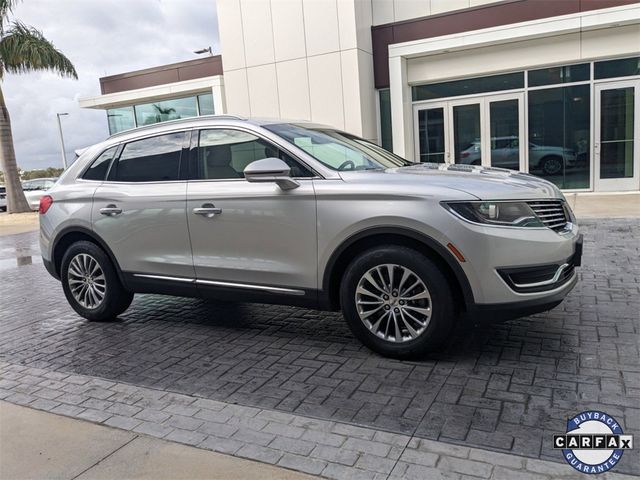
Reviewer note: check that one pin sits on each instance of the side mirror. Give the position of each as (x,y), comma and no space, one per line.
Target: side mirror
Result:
(270,170)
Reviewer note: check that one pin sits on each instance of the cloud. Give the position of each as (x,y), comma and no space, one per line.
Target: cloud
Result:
(100,37)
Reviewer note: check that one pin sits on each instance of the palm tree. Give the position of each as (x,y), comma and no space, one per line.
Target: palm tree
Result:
(22,49)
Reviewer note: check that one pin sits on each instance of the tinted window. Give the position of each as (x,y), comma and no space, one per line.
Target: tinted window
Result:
(120,119)
(164,110)
(493,83)
(553,75)
(559,134)
(224,154)
(617,68)
(98,169)
(150,160)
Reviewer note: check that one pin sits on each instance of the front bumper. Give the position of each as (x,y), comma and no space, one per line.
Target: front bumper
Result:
(491,252)
(500,312)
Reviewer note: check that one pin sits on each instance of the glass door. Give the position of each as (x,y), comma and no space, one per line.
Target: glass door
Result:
(505,131)
(432,137)
(487,130)
(617,142)
(466,128)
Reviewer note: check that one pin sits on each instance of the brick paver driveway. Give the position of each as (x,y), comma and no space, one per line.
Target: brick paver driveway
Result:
(507,387)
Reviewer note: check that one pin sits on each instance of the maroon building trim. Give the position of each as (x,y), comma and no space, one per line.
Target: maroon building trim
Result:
(484,16)
(150,77)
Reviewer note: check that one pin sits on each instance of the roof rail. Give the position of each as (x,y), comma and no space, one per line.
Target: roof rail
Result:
(177,121)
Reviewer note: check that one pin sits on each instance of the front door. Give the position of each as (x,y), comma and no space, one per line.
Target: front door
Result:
(252,236)
(486,131)
(617,137)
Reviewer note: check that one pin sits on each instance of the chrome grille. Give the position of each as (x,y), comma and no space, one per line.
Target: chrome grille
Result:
(551,212)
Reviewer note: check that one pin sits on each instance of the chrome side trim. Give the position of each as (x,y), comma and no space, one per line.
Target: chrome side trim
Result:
(162,277)
(264,288)
(551,281)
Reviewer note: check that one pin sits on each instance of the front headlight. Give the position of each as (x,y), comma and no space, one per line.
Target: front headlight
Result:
(505,214)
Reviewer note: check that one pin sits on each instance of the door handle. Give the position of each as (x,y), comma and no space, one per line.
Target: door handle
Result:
(207,210)
(110,210)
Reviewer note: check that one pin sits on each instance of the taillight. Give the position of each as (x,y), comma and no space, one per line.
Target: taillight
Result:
(464,154)
(45,203)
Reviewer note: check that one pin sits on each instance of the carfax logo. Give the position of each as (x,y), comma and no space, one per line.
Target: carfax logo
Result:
(594,442)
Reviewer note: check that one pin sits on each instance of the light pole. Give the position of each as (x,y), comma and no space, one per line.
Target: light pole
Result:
(64,154)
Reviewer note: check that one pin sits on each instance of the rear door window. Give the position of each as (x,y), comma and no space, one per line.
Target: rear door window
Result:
(155,159)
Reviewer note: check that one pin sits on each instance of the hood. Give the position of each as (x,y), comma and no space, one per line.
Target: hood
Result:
(485,183)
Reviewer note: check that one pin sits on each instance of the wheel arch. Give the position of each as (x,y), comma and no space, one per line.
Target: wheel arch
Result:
(68,236)
(342,256)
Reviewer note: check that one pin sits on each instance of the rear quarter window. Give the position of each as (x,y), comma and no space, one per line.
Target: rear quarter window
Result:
(100,166)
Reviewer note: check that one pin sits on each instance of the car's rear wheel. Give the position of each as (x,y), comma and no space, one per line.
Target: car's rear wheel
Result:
(91,284)
(397,301)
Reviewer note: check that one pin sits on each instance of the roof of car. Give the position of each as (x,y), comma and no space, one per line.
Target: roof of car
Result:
(204,119)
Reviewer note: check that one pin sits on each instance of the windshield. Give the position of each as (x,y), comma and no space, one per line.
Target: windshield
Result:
(338,150)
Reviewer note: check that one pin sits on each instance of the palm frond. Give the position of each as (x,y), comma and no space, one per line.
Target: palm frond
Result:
(24,49)
(6,7)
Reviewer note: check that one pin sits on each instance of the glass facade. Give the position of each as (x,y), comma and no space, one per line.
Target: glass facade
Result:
(559,136)
(617,133)
(125,118)
(456,88)
(555,75)
(120,119)
(165,110)
(386,137)
(558,122)
(624,67)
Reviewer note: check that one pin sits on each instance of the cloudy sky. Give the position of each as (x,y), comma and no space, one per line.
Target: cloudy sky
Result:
(100,37)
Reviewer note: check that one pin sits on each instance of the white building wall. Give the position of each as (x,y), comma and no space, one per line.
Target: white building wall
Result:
(300,59)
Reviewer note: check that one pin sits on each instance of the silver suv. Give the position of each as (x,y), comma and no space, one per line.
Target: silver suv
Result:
(302,214)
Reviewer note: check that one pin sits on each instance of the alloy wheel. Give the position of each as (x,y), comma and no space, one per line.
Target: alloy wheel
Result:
(393,303)
(87,282)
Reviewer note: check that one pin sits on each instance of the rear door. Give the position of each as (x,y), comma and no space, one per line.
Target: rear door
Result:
(139,211)
(258,236)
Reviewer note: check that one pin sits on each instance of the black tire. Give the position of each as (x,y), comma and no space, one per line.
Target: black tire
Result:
(443,313)
(116,299)
(551,165)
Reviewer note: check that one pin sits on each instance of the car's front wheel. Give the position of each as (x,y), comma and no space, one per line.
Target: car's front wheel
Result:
(91,284)
(397,301)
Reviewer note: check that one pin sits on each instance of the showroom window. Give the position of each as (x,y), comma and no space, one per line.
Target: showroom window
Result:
(162,111)
(386,136)
(155,159)
(555,75)
(205,104)
(125,118)
(559,135)
(120,119)
(624,67)
(468,86)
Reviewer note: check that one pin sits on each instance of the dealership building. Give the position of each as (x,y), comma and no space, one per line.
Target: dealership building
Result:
(551,87)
